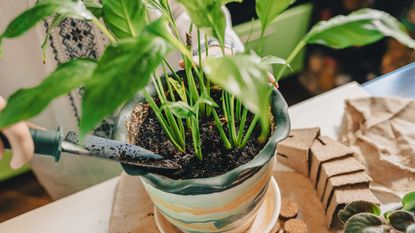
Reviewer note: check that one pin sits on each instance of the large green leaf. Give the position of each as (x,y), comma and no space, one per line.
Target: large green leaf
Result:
(26,103)
(364,223)
(401,219)
(123,70)
(359,28)
(208,14)
(179,109)
(268,10)
(29,18)
(408,201)
(159,28)
(94,7)
(356,207)
(125,18)
(43,9)
(245,77)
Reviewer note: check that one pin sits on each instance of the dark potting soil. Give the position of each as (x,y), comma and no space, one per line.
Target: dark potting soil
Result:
(217,159)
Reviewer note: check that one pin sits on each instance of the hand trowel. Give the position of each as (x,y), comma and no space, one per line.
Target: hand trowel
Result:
(52,143)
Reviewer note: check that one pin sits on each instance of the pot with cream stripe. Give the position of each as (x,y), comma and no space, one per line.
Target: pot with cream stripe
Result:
(224,203)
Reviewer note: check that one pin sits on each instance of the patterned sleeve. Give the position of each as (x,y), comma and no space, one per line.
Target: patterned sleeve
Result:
(77,38)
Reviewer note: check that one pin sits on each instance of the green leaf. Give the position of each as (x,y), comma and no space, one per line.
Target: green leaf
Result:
(179,109)
(208,14)
(359,28)
(401,219)
(26,103)
(408,201)
(94,7)
(410,229)
(205,99)
(125,18)
(43,9)
(245,77)
(272,60)
(269,10)
(179,88)
(357,207)
(123,70)
(29,18)
(364,223)
(159,28)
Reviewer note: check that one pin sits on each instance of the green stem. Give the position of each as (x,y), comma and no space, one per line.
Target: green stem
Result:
(162,121)
(221,130)
(232,125)
(242,126)
(104,30)
(291,57)
(249,132)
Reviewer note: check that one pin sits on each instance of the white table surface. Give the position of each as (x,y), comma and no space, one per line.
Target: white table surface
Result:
(89,211)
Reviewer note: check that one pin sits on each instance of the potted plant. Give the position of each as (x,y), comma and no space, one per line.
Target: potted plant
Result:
(222,112)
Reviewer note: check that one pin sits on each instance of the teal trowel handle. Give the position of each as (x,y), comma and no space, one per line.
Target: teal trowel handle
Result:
(46,142)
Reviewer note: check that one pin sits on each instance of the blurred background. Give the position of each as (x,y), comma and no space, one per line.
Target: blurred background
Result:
(316,70)
(319,68)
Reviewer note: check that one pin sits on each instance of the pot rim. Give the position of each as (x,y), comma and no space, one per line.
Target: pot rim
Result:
(194,186)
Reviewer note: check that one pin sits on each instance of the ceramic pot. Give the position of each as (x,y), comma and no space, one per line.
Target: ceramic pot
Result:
(226,203)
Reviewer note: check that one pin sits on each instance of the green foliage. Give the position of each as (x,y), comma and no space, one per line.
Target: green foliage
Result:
(245,77)
(125,18)
(362,216)
(401,219)
(356,207)
(26,103)
(357,29)
(94,7)
(179,109)
(364,223)
(208,14)
(268,10)
(408,201)
(123,70)
(137,49)
(45,8)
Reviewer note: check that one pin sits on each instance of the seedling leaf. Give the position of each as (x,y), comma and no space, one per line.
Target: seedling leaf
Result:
(408,201)
(357,207)
(364,223)
(401,219)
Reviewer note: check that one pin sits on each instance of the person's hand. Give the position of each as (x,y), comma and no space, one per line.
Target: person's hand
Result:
(20,140)
(216,51)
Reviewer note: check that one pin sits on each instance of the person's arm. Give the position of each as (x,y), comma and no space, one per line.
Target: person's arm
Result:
(20,140)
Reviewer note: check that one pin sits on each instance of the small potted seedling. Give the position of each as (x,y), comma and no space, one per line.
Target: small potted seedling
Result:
(362,216)
(219,120)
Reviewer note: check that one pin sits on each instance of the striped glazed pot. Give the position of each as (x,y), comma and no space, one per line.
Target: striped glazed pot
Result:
(227,203)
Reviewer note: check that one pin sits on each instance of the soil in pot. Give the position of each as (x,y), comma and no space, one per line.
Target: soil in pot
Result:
(217,159)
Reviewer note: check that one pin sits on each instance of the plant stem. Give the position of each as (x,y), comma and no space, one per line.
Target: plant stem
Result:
(231,124)
(291,57)
(242,126)
(162,121)
(221,130)
(249,132)
(104,30)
